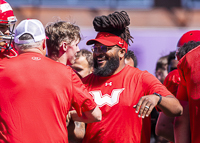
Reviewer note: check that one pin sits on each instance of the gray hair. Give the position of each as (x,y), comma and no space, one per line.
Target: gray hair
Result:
(27,36)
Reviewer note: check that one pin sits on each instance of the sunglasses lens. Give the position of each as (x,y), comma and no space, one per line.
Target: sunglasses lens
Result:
(102,49)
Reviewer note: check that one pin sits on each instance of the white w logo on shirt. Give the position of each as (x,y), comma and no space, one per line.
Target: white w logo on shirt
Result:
(102,100)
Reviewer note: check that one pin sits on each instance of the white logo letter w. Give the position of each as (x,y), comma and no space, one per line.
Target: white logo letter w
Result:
(102,100)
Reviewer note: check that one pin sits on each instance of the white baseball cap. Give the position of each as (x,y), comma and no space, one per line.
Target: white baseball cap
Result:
(30,26)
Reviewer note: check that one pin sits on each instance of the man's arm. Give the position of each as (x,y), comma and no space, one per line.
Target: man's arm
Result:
(93,115)
(76,125)
(76,131)
(165,127)
(182,125)
(168,104)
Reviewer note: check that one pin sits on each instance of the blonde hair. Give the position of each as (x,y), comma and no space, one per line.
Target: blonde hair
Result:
(58,32)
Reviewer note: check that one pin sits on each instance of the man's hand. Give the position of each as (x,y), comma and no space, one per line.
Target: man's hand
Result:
(146,105)
(69,117)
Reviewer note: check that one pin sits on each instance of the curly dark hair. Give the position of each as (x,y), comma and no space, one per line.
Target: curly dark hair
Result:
(59,31)
(171,57)
(187,47)
(115,23)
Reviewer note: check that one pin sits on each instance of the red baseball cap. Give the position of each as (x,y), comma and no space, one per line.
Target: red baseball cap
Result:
(108,39)
(193,35)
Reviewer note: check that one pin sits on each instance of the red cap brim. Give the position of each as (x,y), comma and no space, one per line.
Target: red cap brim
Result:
(102,41)
(108,39)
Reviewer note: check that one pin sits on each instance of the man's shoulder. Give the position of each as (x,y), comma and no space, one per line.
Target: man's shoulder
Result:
(128,70)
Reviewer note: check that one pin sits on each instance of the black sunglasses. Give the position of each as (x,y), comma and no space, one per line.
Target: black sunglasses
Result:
(101,48)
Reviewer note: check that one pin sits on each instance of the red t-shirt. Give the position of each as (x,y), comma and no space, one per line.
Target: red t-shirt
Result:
(36,94)
(116,95)
(172,81)
(189,67)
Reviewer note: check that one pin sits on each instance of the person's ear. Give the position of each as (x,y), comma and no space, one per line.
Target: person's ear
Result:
(63,46)
(44,45)
(122,52)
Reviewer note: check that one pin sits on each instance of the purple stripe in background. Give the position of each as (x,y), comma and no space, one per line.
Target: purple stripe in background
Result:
(149,43)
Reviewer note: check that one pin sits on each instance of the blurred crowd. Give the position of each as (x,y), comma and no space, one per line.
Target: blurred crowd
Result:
(53,91)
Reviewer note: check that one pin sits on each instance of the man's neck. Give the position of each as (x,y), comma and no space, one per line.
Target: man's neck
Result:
(61,59)
(33,50)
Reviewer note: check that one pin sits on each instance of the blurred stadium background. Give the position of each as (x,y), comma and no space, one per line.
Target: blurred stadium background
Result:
(156,25)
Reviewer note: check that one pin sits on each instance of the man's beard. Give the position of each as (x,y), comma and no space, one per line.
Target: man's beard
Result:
(108,69)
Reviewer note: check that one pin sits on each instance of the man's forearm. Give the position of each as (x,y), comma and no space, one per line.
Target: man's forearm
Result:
(170,106)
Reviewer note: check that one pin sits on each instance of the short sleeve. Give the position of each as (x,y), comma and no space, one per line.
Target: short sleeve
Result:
(151,85)
(82,101)
(172,81)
